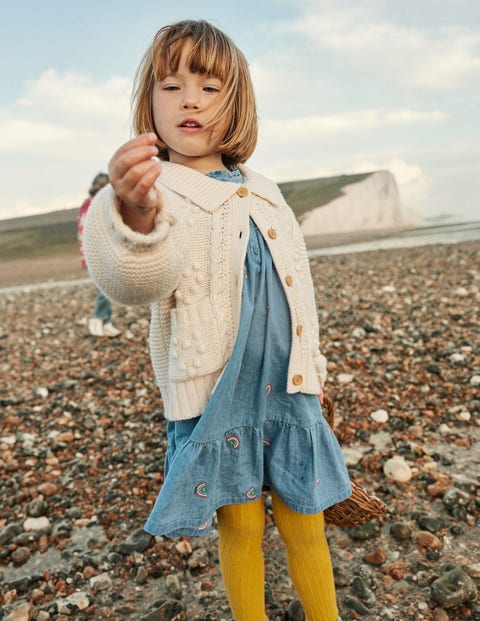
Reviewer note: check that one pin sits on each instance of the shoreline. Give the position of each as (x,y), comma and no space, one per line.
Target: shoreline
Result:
(65,270)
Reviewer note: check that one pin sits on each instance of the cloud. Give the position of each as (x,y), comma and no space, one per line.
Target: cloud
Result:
(313,127)
(23,135)
(56,136)
(65,113)
(439,58)
(76,98)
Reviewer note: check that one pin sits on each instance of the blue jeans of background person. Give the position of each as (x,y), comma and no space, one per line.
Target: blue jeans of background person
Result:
(103,308)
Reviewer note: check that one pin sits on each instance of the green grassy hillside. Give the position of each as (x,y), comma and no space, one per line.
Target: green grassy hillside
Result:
(50,234)
(55,233)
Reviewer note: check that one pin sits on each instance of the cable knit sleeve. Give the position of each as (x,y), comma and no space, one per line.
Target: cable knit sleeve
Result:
(130,267)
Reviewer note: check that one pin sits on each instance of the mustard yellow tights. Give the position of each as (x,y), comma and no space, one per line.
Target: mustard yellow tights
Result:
(241,559)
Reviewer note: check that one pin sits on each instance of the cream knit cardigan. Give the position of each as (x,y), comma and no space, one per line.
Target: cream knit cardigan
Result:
(190,269)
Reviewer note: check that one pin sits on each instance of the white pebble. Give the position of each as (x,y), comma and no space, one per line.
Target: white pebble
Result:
(79,599)
(380,440)
(379,416)
(345,378)
(10,440)
(388,288)
(457,358)
(102,582)
(474,380)
(36,523)
(461,292)
(358,333)
(444,429)
(397,469)
(351,456)
(464,415)
(28,439)
(42,392)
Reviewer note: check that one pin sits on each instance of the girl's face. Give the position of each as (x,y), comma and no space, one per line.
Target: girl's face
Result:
(182,105)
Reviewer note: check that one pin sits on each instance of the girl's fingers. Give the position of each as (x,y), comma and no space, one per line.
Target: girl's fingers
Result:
(140,141)
(123,161)
(144,194)
(142,146)
(133,172)
(135,186)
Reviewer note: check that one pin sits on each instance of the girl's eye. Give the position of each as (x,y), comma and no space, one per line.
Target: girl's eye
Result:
(211,89)
(171,87)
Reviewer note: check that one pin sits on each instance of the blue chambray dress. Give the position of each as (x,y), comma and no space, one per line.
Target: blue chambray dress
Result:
(252,433)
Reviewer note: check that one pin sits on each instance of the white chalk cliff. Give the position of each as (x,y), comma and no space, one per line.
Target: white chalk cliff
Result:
(367,205)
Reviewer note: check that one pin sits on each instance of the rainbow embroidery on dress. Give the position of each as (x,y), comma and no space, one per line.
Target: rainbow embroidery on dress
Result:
(203,526)
(251,493)
(268,390)
(266,442)
(234,441)
(201,490)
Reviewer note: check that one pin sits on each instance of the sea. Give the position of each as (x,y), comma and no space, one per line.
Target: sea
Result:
(420,236)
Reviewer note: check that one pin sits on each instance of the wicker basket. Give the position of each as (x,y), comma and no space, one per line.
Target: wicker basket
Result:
(362,506)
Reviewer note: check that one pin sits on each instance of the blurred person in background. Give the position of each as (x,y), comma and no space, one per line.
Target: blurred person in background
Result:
(100,324)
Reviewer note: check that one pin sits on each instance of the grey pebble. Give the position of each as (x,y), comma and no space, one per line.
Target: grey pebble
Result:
(141,575)
(363,591)
(74,513)
(37,507)
(199,559)
(21,555)
(431,523)
(342,576)
(355,604)
(269,596)
(453,588)
(169,610)
(9,532)
(27,538)
(138,541)
(400,531)
(295,611)
(62,528)
(173,586)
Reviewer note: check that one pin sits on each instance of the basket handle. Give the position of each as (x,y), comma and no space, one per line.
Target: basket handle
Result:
(328,410)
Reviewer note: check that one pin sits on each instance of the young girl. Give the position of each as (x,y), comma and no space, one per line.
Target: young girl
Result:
(216,251)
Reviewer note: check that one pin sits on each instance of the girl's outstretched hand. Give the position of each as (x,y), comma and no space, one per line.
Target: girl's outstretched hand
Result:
(133,173)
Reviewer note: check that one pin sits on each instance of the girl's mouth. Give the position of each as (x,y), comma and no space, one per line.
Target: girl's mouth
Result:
(190,124)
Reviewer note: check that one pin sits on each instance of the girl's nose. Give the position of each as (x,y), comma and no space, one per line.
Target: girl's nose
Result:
(190,101)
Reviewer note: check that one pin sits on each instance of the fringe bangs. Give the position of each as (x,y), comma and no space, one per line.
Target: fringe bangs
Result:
(211,54)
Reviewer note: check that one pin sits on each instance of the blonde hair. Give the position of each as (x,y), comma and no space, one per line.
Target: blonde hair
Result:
(212,53)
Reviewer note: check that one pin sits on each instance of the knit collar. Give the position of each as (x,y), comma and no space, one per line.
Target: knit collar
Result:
(210,194)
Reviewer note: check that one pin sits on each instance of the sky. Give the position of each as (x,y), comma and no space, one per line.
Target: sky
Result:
(342,87)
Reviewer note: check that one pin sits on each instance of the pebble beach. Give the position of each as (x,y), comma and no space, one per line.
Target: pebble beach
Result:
(82,447)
